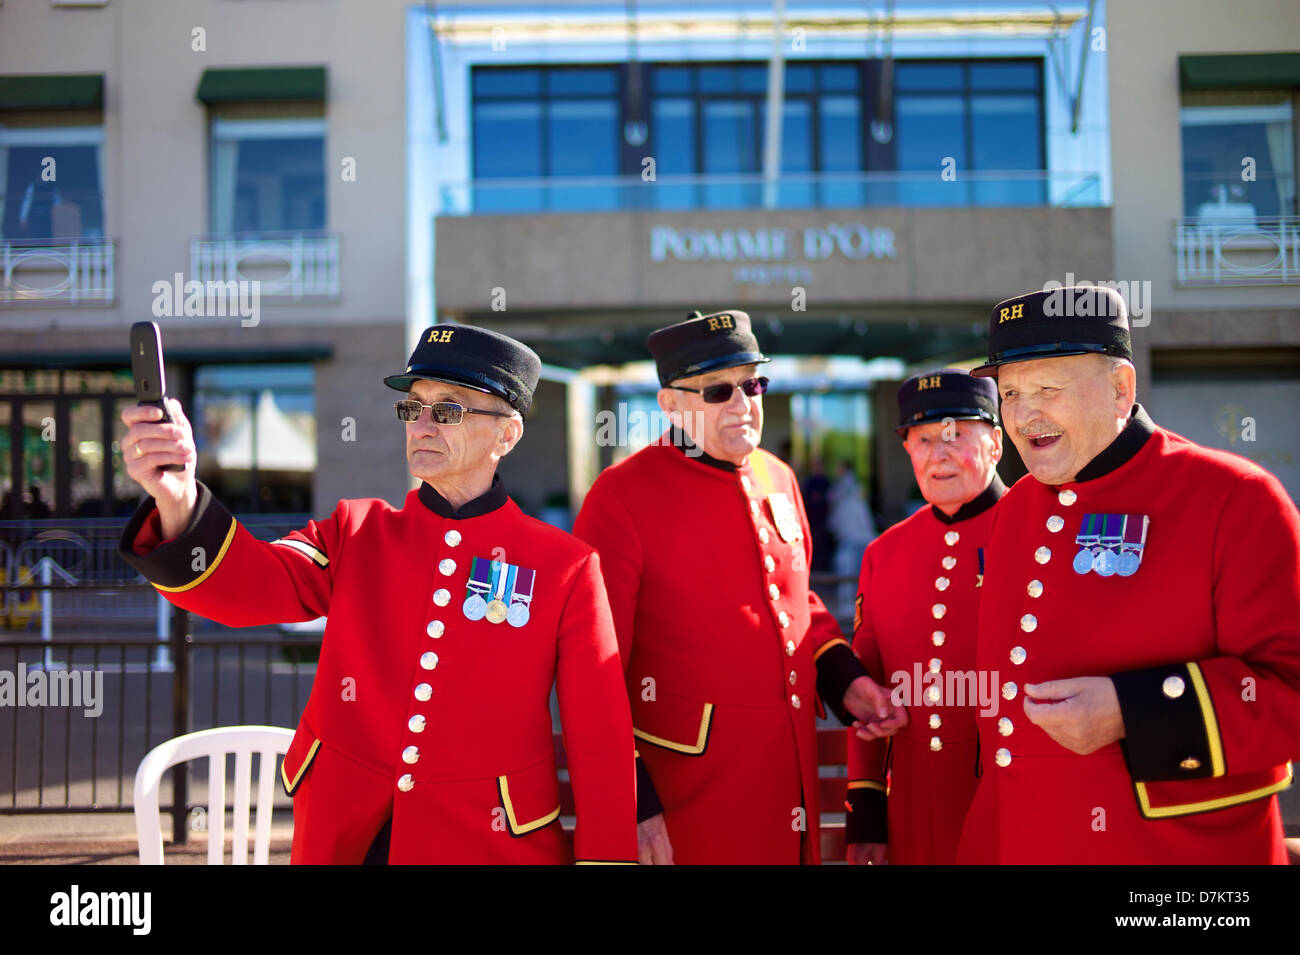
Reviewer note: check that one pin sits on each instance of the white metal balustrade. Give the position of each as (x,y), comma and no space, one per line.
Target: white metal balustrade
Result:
(290,267)
(1254,251)
(67,272)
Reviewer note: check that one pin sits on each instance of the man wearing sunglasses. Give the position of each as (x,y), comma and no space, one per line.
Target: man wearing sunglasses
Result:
(705,550)
(427,737)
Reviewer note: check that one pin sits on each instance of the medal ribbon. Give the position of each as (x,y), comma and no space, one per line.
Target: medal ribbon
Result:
(524,585)
(1089,531)
(480,576)
(1135,531)
(503,578)
(1112,530)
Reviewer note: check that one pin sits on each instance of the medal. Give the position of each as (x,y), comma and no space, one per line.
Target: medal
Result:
(1112,533)
(479,583)
(1089,537)
(784,517)
(519,613)
(1135,539)
(503,578)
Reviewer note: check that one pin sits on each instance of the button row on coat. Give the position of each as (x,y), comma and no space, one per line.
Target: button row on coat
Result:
(428,661)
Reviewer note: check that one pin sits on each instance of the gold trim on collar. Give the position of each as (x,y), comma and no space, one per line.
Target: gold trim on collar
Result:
(701,740)
(307,550)
(515,826)
(225,546)
(867,784)
(1211,722)
(1208,805)
(289,787)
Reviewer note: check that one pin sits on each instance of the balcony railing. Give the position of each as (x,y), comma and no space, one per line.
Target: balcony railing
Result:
(57,272)
(1246,251)
(752,191)
(291,266)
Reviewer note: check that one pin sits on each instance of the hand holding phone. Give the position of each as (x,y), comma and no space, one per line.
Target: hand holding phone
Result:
(147,370)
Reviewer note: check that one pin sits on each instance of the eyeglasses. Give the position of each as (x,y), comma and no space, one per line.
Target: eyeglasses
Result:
(716,394)
(443,412)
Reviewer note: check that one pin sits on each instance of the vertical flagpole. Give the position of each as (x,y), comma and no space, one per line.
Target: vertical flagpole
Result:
(775,107)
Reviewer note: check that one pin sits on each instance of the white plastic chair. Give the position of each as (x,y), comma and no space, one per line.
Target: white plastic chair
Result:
(243,741)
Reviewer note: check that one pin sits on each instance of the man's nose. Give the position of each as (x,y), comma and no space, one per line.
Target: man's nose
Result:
(739,401)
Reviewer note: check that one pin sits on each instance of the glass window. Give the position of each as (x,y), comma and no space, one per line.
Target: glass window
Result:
(840,78)
(584,141)
(268,175)
(731,150)
(673,137)
(507,81)
(1004,76)
(913,76)
(929,130)
(1220,130)
(51,183)
(1005,135)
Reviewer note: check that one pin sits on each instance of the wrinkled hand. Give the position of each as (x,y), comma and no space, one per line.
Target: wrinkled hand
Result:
(876,715)
(147,446)
(867,853)
(652,844)
(1082,714)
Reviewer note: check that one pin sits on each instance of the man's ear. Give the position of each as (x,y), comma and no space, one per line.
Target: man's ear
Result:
(668,399)
(997,444)
(1124,379)
(511,432)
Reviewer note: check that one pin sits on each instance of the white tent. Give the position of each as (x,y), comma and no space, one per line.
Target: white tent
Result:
(280,445)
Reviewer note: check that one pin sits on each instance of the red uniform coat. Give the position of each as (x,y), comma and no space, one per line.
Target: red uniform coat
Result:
(1202,642)
(417,713)
(719,634)
(918,600)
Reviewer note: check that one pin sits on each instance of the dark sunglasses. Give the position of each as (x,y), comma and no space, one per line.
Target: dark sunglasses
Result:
(443,412)
(716,394)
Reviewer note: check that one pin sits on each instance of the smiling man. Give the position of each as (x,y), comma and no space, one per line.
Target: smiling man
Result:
(705,550)
(916,613)
(427,737)
(1142,601)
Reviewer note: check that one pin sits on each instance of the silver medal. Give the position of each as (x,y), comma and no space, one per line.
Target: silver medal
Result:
(1083,561)
(517,615)
(1107,563)
(1128,563)
(475,607)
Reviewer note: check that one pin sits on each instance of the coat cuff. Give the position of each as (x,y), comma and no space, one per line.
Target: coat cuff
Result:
(189,558)
(837,667)
(866,820)
(1171,731)
(647,799)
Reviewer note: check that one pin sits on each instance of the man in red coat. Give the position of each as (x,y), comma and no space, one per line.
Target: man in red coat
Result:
(914,628)
(427,736)
(705,550)
(1142,607)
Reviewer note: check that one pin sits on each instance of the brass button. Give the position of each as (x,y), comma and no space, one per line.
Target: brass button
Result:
(411,754)
(762,535)
(789,648)
(442,597)
(1190,763)
(933,695)
(936,744)
(941,583)
(452,538)
(1067,497)
(428,660)
(406,782)
(1029,623)
(1018,655)
(794,700)
(769,564)
(446,567)
(435,628)
(773,591)
(938,610)
(1009,690)
(949,562)
(793,677)
(744,482)
(938,637)
(1043,555)
(950,538)
(1002,757)
(416,723)
(1055,523)
(1173,687)
(934,665)
(1005,726)
(1035,588)
(935,722)
(783,618)
(424,693)
(753,508)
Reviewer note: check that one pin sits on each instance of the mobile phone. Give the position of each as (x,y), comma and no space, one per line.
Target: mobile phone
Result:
(147,370)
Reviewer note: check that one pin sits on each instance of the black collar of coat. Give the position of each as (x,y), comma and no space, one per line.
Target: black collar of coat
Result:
(485,503)
(682,442)
(976,505)
(1120,451)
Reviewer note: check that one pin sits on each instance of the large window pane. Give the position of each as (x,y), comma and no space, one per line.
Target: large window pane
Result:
(1004,76)
(583,141)
(507,145)
(730,149)
(50,184)
(672,130)
(840,143)
(927,130)
(927,76)
(1005,136)
(268,175)
(1219,130)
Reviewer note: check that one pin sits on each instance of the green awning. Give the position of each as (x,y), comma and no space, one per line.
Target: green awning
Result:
(52,91)
(1239,71)
(263,83)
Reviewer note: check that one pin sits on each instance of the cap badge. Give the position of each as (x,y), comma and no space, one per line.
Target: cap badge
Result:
(1011,313)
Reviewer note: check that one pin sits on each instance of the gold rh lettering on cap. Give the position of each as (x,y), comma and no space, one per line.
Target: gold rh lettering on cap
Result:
(1015,311)
(925,384)
(720,321)
(438,337)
